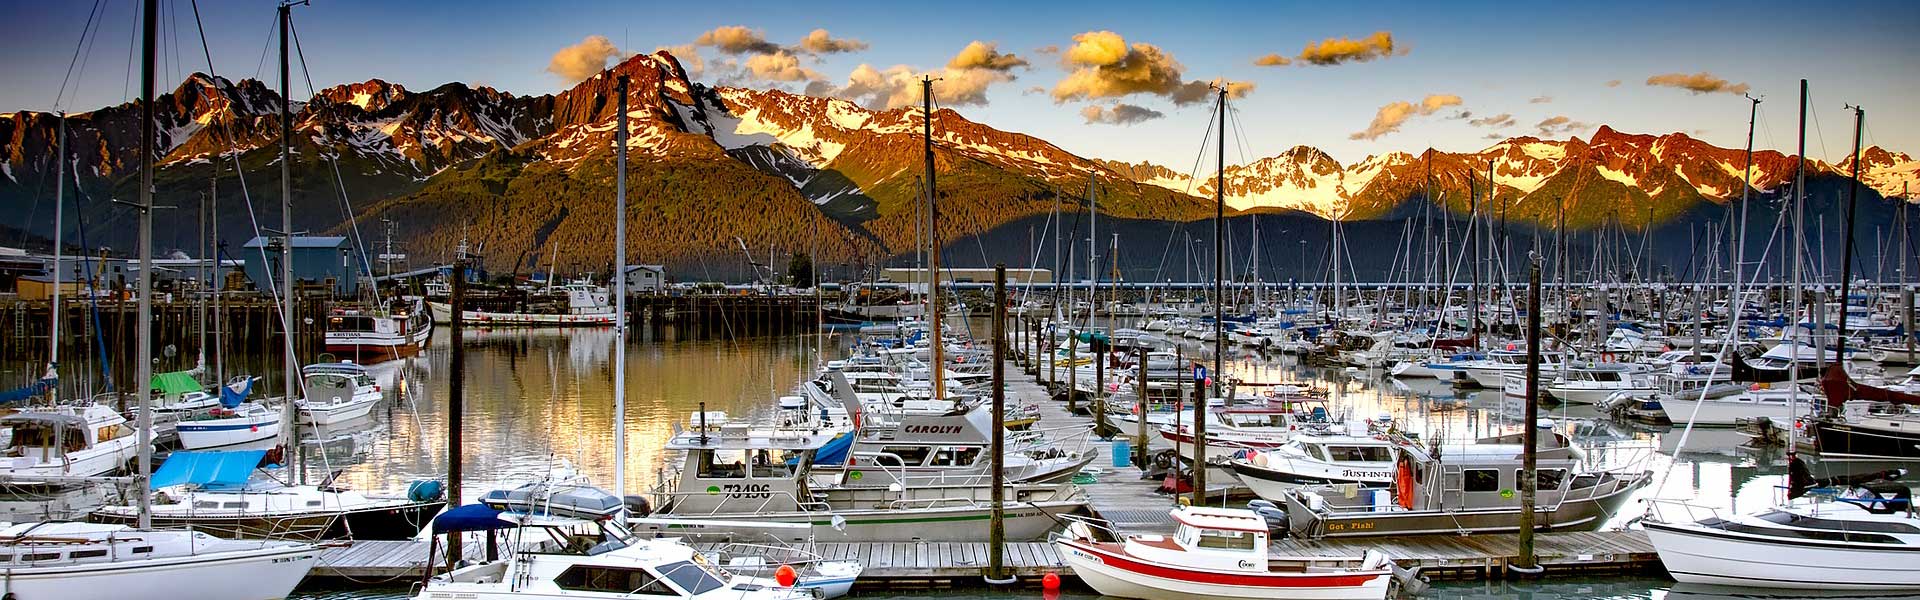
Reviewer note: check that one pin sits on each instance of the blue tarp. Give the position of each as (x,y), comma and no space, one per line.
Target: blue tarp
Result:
(232,394)
(34,389)
(834,452)
(208,469)
(472,517)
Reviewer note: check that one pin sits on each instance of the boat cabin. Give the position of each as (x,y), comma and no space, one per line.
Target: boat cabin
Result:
(733,468)
(48,436)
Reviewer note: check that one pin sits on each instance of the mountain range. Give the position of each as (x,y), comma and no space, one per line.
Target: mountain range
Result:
(713,170)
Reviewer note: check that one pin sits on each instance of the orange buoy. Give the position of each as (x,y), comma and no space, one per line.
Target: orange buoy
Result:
(785,575)
(1050,582)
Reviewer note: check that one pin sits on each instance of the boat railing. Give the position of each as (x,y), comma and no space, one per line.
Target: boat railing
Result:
(767,499)
(1663,510)
(932,503)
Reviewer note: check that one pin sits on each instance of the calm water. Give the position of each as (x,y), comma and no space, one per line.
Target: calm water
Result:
(537,401)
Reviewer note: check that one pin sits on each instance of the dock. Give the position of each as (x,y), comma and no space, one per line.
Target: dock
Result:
(1131,504)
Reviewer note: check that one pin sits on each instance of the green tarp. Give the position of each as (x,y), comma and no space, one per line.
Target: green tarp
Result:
(177,382)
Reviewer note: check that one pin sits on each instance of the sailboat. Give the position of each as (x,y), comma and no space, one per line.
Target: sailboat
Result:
(1844,533)
(87,561)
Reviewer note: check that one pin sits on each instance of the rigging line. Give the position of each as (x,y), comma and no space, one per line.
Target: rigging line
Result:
(1194,173)
(85,34)
(133,34)
(339,183)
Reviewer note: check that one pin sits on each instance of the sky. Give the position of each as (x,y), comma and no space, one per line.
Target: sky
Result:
(1107,80)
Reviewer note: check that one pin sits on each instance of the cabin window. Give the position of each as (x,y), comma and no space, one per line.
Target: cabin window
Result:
(612,580)
(955,457)
(691,578)
(1361,453)
(87,554)
(206,504)
(143,549)
(313,503)
(724,464)
(1317,452)
(235,505)
(39,557)
(1226,540)
(1544,479)
(1482,480)
(6,558)
(912,456)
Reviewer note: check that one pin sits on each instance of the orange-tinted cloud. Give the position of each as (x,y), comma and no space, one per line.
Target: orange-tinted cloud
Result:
(1390,117)
(821,42)
(1119,114)
(1333,51)
(1103,65)
(737,39)
(985,55)
(1698,83)
(1272,60)
(580,61)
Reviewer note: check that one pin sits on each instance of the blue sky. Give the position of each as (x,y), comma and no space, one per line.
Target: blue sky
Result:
(1497,58)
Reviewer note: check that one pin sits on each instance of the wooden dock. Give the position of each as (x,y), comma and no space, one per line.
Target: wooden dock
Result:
(1119,495)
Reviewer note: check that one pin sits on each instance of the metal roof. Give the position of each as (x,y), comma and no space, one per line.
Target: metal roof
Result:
(302,241)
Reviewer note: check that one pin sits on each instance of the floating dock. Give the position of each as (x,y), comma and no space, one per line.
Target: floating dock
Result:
(1120,496)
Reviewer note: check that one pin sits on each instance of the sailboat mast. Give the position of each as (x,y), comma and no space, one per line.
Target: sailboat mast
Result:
(286,241)
(1734,307)
(1219,260)
(59,227)
(1799,240)
(1846,243)
(620,297)
(143,364)
(939,367)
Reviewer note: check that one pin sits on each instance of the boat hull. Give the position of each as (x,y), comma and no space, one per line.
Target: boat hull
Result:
(264,574)
(220,433)
(393,522)
(1698,555)
(1114,573)
(443,313)
(1846,440)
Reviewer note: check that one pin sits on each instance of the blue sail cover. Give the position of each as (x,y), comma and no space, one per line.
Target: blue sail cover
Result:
(833,453)
(30,390)
(211,470)
(232,394)
(472,517)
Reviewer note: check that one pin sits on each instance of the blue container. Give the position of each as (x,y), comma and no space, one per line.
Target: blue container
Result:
(1122,454)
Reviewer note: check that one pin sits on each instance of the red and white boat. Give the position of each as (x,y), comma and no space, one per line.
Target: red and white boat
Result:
(367,336)
(1216,554)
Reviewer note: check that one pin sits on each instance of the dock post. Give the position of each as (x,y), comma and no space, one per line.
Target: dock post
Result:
(456,402)
(1073,374)
(1199,441)
(1527,563)
(1140,409)
(1053,362)
(1906,307)
(996,528)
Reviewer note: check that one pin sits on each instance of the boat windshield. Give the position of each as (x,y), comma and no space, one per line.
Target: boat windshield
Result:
(690,577)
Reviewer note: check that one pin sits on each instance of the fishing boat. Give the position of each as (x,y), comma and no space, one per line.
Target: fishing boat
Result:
(1236,428)
(1463,489)
(1588,383)
(1491,372)
(81,440)
(1866,421)
(1213,554)
(336,392)
(1363,461)
(367,336)
(216,493)
(735,480)
(587,306)
(951,446)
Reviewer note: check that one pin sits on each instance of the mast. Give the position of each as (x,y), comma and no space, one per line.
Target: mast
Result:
(1746,185)
(1219,271)
(1846,243)
(286,243)
(939,370)
(620,297)
(59,227)
(1799,239)
(1473,250)
(143,364)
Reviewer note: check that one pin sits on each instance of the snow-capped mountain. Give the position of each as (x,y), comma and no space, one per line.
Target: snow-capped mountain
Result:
(777,168)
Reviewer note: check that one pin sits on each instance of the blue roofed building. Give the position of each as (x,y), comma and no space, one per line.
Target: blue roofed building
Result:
(318,262)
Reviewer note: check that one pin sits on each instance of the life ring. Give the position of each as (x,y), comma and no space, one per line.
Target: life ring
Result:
(1606,357)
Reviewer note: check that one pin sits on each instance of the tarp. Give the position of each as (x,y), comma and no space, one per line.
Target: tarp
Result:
(230,468)
(177,382)
(232,394)
(472,517)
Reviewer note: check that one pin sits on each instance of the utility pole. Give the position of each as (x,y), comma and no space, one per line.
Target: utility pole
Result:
(996,530)
(1528,563)
(933,255)
(456,390)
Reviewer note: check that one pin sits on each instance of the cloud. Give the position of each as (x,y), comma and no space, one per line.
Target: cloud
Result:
(1333,51)
(689,57)
(985,55)
(1272,60)
(1463,114)
(1698,83)
(1558,125)
(899,85)
(1540,99)
(736,39)
(820,42)
(585,59)
(1494,136)
(1103,65)
(1496,121)
(1613,83)
(1033,91)
(1047,49)
(1119,114)
(780,66)
(1390,117)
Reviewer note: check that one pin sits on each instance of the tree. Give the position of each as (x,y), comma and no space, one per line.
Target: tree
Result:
(800,270)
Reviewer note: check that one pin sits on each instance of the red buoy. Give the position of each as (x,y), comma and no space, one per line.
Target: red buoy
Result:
(785,575)
(1051,582)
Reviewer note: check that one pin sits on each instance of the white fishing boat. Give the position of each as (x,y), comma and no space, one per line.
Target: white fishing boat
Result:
(1317,460)
(88,561)
(397,330)
(67,440)
(1214,554)
(1862,537)
(587,306)
(236,421)
(336,393)
(1588,383)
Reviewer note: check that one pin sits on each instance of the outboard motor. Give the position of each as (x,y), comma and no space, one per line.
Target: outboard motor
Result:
(638,506)
(1275,517)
